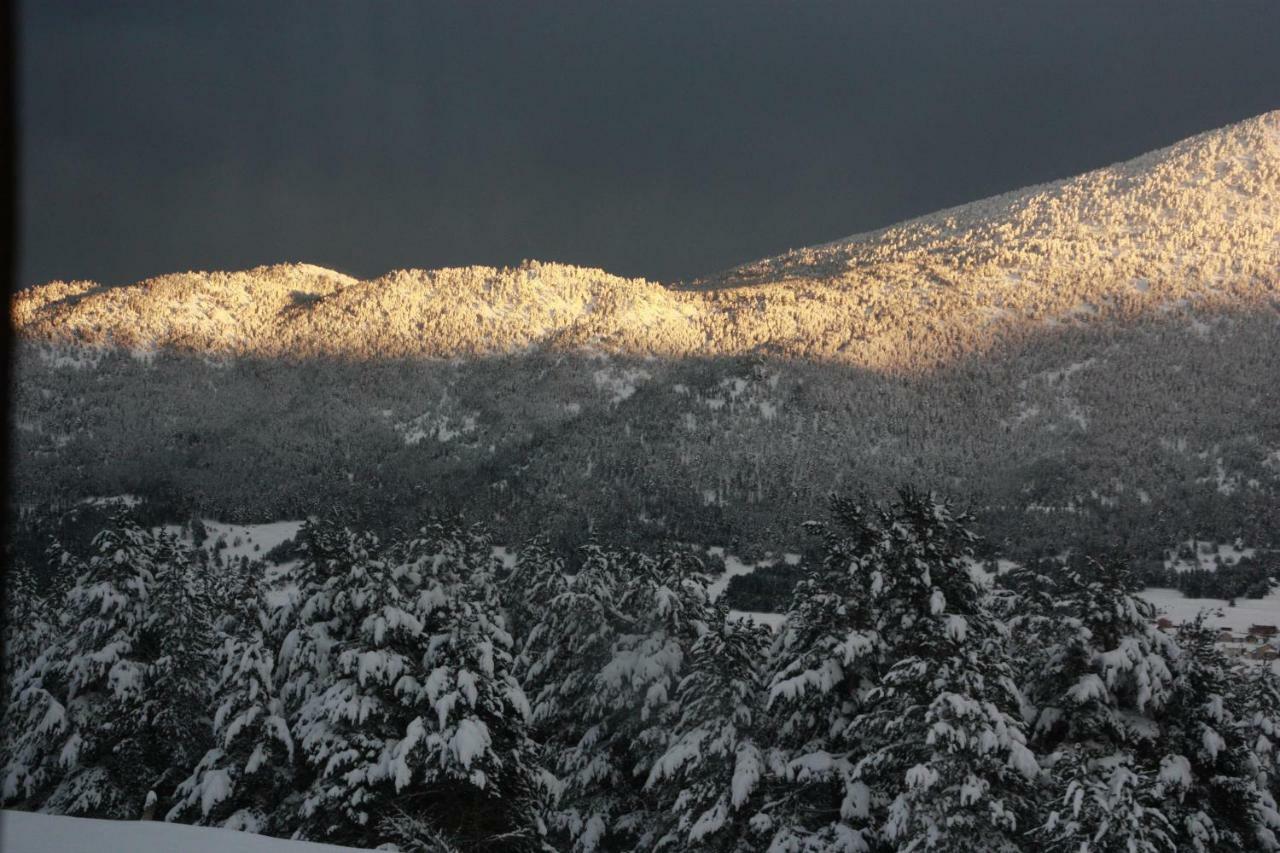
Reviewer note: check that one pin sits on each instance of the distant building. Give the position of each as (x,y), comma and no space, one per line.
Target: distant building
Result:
(1263,630)
(1264,652)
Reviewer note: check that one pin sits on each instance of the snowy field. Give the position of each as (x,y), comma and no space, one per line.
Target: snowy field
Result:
(1248,611)
(1170,602)
(243,540)
(25,832)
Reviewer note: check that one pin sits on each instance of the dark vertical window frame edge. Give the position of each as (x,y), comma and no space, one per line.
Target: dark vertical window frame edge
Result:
(8,256)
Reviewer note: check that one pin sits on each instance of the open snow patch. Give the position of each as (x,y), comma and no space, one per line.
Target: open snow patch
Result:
(442,428)
(619,383)
(27,832)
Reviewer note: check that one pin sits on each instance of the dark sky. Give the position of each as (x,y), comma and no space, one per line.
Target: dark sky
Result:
(658,139)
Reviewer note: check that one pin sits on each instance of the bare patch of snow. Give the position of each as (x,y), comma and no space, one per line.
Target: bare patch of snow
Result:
(29,832)
(775,621)
(443,428)
(619,383)
(241,540)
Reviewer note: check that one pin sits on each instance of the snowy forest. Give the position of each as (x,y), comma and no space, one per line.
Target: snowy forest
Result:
(413,691)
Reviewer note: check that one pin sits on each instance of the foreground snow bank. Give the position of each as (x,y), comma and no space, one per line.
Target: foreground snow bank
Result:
(25,832)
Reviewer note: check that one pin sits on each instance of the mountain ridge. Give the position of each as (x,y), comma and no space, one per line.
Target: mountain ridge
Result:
(1191,226)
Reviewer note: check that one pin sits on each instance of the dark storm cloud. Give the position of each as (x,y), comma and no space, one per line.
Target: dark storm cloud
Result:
(656,139)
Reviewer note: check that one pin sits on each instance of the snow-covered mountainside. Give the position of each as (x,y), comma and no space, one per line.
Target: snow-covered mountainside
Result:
(1100,353)
(1189,229)
(26,832)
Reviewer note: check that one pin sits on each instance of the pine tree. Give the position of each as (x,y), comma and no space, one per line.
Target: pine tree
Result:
(562,649)
(80,707)
(1208,772)
(605,664)
(535,580)
(303,618)
(30,623)
(1100,680)
(1256,692)
(1104,806)
(178,639)
(827,658)
(419,711)
(245,780)
(31,641)
(711,773)
(941,735)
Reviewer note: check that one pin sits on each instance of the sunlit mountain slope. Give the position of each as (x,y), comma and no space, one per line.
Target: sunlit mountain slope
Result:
(1190,228)
(1100,354)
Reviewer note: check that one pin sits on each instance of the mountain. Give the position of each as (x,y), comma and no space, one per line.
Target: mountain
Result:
(1097,356)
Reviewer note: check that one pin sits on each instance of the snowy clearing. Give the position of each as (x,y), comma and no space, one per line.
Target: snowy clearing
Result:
(1208,560)
(1248,611)
(773,620)
(242,540)
(733,567)
(26,832)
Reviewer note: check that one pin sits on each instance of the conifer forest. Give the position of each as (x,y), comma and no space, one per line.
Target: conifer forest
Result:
(415,690)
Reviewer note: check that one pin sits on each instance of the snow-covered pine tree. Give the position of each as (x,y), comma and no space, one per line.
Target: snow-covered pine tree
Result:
(1103,805)
(31,638)
(420,714)
(246,779)
(606,702)
(79,707)
(302,616)
(568,639)
(30,623)
(178,640)
(1208,773)
(709,778)
(1256,696)
(945,766)
(826,659)
(234,592)
(534,581)
(1099,682)
(1105,673)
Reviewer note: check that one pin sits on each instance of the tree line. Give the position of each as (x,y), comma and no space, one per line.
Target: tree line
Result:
(410,690)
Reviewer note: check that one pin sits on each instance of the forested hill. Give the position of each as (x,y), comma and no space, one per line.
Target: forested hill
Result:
(1188,229)
(1098,354)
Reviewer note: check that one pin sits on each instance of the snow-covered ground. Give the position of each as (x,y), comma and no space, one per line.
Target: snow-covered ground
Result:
(1228,554)
(243,540)
(122,500)
(1248,611)
(773,620)
(733,567)
(1170,602)
(25,832)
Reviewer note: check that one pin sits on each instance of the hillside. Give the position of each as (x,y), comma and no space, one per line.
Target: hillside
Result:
(1190,228)
(1105,345)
